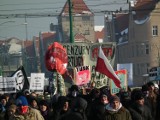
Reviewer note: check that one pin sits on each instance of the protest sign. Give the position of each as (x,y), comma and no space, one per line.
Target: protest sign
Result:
(37,82)
(85,54)
(82,75)
(7,85)
(122,74)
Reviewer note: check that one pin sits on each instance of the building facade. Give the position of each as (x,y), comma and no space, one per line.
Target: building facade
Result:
(82,21)
(143,46)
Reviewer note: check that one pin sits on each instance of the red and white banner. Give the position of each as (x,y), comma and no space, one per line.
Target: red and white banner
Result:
(82,75)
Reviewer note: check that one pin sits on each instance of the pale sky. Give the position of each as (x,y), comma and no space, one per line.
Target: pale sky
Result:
(15,27)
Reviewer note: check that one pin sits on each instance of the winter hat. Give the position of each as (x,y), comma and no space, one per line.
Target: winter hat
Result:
(145,88)
(3,97)
(125,95)
(31,99)
(21,101)
(150,84)
(62,100)
(156,85)
(114,98)
(74,87)
(12,107)
(138,96)
(79,104)
(43,102)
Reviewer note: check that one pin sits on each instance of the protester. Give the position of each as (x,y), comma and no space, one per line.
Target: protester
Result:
(77,111)
(126,99)
(44,109)
(11,112)
(33,102)
(3,101)
(115,110)
(152,98)
(156,88)
(24,112)
(138,110)
(97,108)
(62,107)
(2,112)
(73,92)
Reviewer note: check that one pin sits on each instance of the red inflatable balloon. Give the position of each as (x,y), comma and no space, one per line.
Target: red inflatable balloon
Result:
(56,58)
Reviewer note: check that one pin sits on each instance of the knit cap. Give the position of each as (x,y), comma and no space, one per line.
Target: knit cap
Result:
(138,96)
(21,101)
(12,107)
(114,98)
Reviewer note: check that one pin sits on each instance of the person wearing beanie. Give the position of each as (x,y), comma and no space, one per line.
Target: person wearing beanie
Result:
(2,112)
(44,109)
(125,99)
(152,98)
(73,92)
(78,109)
(24,112)
(97,108)
(33,102)
(11,112)
(138,109)
(115,110)
(62,107)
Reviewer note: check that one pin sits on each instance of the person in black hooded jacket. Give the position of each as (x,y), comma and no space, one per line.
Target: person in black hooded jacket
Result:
(97,108)
(62,107)
(138,110)
(78,110)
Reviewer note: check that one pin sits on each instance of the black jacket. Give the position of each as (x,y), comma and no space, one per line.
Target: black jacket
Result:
(140,112)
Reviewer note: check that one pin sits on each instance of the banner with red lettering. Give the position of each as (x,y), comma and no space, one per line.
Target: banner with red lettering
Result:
(56,58)
(85,54)
(82,75)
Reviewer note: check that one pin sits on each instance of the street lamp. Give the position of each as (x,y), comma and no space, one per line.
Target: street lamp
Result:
(26,29)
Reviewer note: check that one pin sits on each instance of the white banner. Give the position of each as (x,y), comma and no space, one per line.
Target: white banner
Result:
(37,82)
(7,85)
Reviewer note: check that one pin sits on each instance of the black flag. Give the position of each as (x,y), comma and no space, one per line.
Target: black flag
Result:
(21,79)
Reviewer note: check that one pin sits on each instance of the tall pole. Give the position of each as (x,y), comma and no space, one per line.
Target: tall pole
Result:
(26,29)
(71,23)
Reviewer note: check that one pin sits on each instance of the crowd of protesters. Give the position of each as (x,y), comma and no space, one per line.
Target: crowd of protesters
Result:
(98,104)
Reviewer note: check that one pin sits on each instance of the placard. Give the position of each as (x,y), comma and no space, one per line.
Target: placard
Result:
(7,85)
(37,82)
(122,75)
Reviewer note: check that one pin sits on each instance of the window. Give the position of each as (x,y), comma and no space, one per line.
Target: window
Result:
(155,30)
(146,49)
(86,18)
(67,18)
(87,32)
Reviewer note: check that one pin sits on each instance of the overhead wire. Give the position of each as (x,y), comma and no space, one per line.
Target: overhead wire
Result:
(52,14)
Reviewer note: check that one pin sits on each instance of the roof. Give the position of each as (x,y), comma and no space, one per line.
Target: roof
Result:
(99,34)
(79,8)
(122,21)
(142,8)
(46,35)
